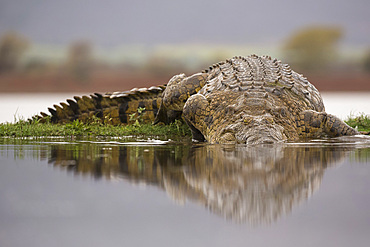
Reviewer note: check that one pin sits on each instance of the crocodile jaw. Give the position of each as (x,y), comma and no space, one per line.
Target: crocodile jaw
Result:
(261,135)
(252,135)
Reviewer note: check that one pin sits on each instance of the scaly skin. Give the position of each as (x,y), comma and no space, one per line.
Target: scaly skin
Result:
(248,100)
(251,100)
(113,108)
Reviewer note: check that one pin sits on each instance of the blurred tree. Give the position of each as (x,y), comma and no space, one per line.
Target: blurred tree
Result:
(12,47)
(80,60)
(313,48)
(36,65)
(367,61)
(163,66)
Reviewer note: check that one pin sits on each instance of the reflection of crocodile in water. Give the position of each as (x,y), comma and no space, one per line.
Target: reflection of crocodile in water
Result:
(246,184)
(241,100)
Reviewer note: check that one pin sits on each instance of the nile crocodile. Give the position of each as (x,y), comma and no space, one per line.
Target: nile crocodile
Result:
(250,100)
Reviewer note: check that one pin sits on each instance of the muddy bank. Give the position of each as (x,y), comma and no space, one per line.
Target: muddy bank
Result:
(109,82)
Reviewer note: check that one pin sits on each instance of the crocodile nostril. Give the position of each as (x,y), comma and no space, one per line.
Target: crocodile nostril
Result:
(267,141)
(228,138)
(260,141)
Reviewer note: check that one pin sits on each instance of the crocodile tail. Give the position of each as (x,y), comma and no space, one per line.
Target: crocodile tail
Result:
(114,108)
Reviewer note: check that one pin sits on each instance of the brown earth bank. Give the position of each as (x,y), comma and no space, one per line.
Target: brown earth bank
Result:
(111,82)
(99,82)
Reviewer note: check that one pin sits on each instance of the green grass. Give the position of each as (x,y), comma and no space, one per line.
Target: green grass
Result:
(361,122)
(34,128)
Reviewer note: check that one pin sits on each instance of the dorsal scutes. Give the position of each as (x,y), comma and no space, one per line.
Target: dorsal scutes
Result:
(114,107)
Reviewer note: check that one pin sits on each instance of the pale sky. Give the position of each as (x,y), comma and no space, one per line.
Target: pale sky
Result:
(149,22)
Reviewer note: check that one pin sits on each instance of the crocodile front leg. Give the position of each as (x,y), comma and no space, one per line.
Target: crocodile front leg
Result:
(177,92)
(315,124)
(196,110)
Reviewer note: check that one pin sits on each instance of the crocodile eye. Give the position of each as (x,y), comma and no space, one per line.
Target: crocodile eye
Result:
(276,92)
(283,112)
(247,120)
(270,120)
(278,112)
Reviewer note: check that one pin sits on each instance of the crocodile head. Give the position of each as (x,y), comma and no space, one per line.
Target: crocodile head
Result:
(233,118)
(250,129)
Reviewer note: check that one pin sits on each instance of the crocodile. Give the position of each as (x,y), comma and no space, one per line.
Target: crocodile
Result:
(246,100)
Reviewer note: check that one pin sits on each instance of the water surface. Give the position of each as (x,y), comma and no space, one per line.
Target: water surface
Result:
(60,192)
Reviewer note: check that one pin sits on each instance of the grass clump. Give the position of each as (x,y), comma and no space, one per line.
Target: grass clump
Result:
(361,122)
(34,128)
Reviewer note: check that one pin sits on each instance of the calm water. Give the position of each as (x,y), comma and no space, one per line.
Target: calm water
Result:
(128,192)
(122,192)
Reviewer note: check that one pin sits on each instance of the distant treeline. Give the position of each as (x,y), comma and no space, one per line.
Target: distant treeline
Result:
(309,50)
